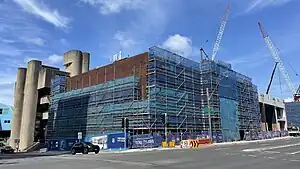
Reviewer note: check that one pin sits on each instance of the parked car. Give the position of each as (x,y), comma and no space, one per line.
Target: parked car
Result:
(6,149)
(84,148)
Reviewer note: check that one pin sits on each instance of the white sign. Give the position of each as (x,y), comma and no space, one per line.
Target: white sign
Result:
(79,135)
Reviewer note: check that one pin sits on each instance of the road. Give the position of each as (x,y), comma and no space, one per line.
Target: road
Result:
(275,154)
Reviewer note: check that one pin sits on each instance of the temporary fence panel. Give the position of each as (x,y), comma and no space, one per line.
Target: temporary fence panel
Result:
(116,141)
(145,141)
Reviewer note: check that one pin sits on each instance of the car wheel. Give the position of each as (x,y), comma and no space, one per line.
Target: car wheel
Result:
(85,151)
(73,151)
(96,151)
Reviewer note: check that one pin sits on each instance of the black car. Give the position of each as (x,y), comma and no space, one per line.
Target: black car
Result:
(6,149)
(84,148)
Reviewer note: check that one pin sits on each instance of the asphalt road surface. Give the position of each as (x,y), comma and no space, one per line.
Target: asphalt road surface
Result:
(277,154)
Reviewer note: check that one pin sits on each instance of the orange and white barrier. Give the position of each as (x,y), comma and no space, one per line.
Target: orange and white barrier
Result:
(193,143)
(185,144)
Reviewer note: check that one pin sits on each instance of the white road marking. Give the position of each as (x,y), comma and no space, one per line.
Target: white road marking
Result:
(252,155)
(164,162)
(293,153)
(272,152)
(217,149)
(271,158)
(295,160)
(271,148)
(127,162)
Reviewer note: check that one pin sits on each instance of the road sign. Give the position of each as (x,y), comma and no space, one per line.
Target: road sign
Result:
(79,135)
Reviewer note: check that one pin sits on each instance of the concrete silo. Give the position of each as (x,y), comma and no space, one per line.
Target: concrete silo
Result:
(18,106)
(73,62)
(29,104)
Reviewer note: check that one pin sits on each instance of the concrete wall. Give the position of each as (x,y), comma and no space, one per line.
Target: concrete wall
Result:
(272,107)
(18,106)
(30,104)
(46,74)
(270,100)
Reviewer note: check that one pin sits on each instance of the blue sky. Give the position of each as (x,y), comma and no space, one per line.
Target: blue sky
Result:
(46,29)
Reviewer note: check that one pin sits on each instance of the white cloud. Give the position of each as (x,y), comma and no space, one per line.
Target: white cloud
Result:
(179,44)
(54,59)
(125,42)
(36,41)
(43,11)
(260,4)
(114,6)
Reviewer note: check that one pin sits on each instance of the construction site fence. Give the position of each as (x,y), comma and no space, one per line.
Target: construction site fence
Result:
(253,135)
(156,139)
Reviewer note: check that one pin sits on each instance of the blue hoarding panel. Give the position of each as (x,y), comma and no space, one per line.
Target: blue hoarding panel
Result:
(115,140)
(145,141)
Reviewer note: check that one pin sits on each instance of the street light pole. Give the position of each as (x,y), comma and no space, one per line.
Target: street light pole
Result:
(209,115)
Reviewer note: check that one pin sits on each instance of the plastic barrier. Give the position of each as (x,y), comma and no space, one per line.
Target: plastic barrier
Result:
(164,144)
(185,144)
(195,143)
(171,144)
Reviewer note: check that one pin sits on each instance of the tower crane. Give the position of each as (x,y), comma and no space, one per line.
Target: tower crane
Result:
(275,54)
(220,34)
(271,79)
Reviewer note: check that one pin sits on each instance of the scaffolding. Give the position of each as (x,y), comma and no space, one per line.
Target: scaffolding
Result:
(94,110)
(176,86)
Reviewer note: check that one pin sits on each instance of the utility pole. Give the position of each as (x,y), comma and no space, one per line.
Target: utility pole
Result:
(125,125)
(209,115)
(125,133)
(166,129)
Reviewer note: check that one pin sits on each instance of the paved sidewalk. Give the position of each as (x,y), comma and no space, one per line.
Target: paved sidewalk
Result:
(253,141)
(32,154)
(202,146)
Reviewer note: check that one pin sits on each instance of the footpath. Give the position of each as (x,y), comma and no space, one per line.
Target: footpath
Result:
(57,153)
(202,146)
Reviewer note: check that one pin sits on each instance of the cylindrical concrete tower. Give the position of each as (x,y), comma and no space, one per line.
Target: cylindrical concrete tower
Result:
(30,104)
(18,106)
(73,62)
(85,62)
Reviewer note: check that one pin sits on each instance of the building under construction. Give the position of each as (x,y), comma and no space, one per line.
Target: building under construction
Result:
(145,88)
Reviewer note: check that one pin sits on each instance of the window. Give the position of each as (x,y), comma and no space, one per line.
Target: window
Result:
(0,111)
(6,121)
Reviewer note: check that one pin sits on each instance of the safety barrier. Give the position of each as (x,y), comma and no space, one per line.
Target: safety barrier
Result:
(170,144)
(194,143)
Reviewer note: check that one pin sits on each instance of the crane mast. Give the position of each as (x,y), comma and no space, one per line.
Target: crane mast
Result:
(275,54)
(220,34)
